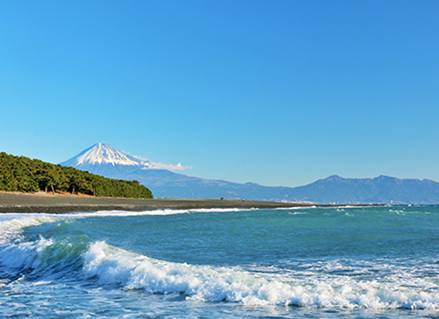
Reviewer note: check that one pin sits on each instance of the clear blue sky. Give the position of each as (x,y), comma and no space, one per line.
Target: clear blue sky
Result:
(272,92)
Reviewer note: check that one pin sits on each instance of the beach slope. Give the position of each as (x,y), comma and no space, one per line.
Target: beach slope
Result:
(48,203)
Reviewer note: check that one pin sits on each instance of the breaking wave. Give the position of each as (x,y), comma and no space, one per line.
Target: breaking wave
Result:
(13,224)
(158,212)
(114,266)
(374,284)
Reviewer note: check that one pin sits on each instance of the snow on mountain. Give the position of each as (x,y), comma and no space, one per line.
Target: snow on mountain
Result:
(104,154)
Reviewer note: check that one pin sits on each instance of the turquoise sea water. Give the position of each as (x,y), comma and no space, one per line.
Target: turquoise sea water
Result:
(371,262)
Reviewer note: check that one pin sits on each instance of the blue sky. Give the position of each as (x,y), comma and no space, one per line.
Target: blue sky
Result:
(272,92)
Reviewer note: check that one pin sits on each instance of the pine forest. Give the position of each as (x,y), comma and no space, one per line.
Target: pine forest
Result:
(22,174)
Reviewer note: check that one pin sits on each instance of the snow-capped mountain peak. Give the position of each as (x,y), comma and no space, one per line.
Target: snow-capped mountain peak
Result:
(100,158)
(104,154)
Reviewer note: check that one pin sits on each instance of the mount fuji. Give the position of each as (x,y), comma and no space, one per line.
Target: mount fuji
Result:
(105,160)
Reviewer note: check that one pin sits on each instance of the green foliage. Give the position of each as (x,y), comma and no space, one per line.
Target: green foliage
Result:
(21,174)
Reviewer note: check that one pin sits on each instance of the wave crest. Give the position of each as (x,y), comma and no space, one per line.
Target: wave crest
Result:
(114,266)
(10,230)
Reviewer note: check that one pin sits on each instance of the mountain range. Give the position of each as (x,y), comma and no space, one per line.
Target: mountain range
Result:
(105,160)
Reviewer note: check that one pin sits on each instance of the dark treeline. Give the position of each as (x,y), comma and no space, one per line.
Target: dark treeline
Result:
(22,174)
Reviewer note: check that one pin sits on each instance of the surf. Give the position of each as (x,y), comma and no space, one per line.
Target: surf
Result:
(253,258)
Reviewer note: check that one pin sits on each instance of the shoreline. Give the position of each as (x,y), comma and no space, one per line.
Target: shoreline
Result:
(57,204)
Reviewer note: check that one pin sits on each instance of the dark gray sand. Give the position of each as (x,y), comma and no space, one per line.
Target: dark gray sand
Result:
(36,203)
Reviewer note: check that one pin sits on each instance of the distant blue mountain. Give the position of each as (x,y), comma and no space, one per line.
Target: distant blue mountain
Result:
(381,189)
(105,160)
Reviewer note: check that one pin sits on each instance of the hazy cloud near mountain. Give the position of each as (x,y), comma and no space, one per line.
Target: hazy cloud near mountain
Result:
(170,167)
(153,165)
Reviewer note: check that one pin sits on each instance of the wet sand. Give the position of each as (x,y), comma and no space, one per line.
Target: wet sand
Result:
(37,203)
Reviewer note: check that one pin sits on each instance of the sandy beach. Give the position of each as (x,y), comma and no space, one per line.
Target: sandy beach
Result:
(48,203)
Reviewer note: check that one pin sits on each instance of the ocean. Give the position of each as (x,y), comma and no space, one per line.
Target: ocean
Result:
(350,262)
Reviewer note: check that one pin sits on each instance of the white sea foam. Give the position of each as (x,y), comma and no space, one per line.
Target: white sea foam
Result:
(158,212)
(116,213)
(12,225)
(293,208)
(17,254)
(39,283)
(24,255)
(311,288)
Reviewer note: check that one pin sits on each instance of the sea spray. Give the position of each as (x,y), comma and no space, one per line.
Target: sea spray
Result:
(39,255)
(12,225)
(114,266)
(352,262)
